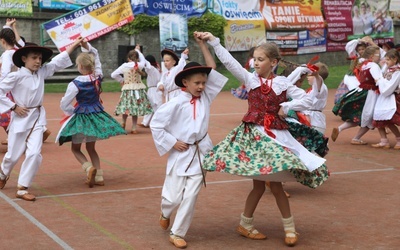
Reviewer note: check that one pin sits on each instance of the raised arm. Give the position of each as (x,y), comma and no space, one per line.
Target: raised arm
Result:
(209,59)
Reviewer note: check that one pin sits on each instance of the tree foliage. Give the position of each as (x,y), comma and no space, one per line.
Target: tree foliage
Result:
(208,22)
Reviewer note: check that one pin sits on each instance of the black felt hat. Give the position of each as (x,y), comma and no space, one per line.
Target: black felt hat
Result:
(189,69)
(171,53)
(23,51)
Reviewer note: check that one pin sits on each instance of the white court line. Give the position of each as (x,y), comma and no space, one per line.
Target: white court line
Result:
(64,245)
(208,183)
(34,221)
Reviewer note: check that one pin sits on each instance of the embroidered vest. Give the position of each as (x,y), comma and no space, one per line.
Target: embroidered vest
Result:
(263,107)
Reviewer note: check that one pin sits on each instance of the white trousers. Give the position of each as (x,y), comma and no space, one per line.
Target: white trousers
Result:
(180,191)
(155,98)
(32,148)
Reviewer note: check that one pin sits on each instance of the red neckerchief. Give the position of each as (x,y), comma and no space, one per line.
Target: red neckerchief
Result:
(193,101)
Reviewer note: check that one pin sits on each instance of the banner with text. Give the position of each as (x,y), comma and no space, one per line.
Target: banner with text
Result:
(183,7)
(350,19)
(241,35)
(236,10)
(16,8)
(64,4)
(289,14)
(92,21)
(299,42)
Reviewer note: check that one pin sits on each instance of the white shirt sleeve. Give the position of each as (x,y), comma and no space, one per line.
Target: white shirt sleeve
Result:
(68,98)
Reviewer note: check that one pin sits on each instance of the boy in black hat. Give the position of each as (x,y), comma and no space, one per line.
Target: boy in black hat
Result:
(179,127)
(28,118)
(172,65)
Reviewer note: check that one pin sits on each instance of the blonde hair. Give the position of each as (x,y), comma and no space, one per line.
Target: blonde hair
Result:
(87,61)
(271,50)
(369,51)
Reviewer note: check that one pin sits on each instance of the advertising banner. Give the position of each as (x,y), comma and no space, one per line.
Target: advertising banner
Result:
(184,7)
(173,32)
(64,4)
(16,8)
(350,19)
(138,6)
(92,21)
(289,14)
(241,35)
(236,10)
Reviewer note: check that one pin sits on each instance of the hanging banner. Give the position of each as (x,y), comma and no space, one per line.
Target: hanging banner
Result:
(173,32)
(245,23)
(348,20)
(312,41)
(184,7)
(236,10)
(286,41)
(241,35)
(289,14)
(92,21)
(16,8)
(138,6)
(64,4)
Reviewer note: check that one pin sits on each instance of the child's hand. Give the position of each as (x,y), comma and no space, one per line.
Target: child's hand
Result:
(186,51)
(197,37)
(21,111)
(281,114)
(161,88)
(78,42)
(84,43)
(206,36)
(10,21)
(181,146)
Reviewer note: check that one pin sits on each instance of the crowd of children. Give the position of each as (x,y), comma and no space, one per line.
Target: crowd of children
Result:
(280,138)
(372,99)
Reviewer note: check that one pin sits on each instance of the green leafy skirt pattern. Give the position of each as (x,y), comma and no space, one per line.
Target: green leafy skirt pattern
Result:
(247,152)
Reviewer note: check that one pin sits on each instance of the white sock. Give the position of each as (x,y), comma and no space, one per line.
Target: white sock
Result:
(247,223)
(288,226)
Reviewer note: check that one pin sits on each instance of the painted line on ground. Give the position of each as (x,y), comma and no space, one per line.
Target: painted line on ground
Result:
(208,183)
(34,221)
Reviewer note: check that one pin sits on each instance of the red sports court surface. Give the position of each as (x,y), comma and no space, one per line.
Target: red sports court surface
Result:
(357,208)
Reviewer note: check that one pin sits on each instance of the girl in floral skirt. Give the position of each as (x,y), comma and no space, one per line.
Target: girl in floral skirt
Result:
(88,122)
(133,100)
(387,108)
(357,107)
(261,147)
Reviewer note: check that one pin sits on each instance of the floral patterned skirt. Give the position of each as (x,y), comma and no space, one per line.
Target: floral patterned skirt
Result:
(311,139)
(247,152)
(134,103)
(6,116)
(90,127)
(349,107)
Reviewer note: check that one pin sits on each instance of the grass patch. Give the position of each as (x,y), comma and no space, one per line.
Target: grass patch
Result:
(336,74)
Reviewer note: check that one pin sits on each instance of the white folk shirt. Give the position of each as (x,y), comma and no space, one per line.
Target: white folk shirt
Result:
(27,89)
(168,79)
(174,121)
(319,99)
(385,106)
